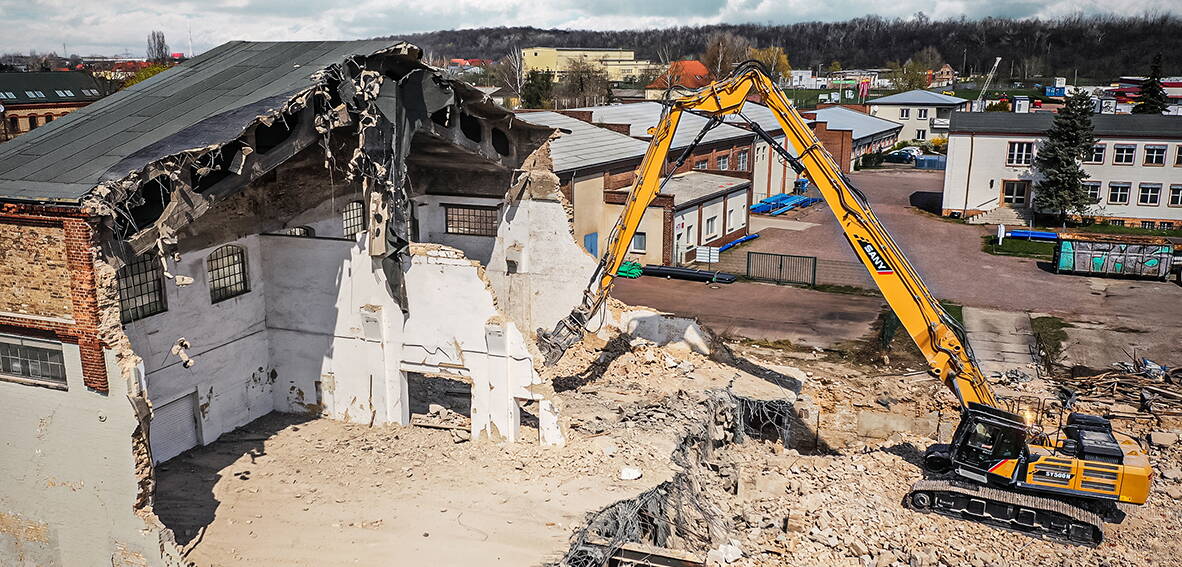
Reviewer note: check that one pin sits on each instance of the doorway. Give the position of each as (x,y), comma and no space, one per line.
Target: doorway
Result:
(1015,194)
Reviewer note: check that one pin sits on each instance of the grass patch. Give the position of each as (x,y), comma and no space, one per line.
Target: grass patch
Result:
(954,310)
(847,290)
(1017,247)
(1111,229)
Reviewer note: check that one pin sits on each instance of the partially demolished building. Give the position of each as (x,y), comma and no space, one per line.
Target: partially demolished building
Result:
(268,227)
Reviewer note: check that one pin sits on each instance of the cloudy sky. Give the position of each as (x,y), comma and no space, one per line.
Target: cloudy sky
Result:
(115,26)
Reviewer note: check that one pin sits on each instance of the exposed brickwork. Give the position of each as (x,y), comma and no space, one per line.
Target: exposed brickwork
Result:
(67,231)
(840,143)
(625,129)
(618,179)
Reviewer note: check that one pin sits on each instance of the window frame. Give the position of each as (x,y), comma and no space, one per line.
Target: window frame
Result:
(1103,149)
(709,226)
(701,164)
(742,160)
(222,292)
(18,342)
(921,114)
(921,134)
(724,162)
(1148,189)
(1128,190)
(1116,153)
(145,276)
(1175,194)
(1178,155)
(1006,183)
(643,236)
(1011,154)
(1159,151)
(904,114)
(474,226)
(1096,194)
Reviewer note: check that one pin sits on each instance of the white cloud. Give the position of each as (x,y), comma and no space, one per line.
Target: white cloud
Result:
(110,26)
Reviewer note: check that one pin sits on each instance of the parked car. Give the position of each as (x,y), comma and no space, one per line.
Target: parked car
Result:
(915,151)
(900,156)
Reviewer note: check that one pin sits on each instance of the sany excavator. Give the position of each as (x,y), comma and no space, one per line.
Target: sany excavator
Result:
(999,469)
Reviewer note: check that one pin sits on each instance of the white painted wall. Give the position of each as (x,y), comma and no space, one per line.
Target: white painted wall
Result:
(228,341)
(433,226)
(331,319)
(977,167)
(770,175)
(913,122)
(736,211)
(68,468)
(712,209)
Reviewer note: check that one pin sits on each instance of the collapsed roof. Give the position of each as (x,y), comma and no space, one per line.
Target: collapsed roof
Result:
(153,157)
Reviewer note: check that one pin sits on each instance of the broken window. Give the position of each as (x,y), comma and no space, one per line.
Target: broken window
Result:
(472,220)
(141,289)
(39,362)
(354,218)
(227,273)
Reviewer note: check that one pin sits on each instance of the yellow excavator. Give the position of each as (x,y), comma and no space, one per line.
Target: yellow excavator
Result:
(1000,468)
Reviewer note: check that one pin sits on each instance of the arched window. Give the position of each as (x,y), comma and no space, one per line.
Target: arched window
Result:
(299,231)
(228,275)
(141,288)
(354,218)
(48,118)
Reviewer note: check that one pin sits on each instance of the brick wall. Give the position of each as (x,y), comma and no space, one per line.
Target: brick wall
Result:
(48,280)
(840,143)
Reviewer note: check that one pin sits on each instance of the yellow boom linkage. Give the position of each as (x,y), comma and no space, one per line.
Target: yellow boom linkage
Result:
(937,335)
(999,468)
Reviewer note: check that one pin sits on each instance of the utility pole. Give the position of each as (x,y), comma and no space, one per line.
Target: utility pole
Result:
(964,60)
(190,54)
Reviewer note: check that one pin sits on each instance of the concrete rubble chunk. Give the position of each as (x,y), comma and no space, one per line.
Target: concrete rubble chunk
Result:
(1163,438)
(630,473)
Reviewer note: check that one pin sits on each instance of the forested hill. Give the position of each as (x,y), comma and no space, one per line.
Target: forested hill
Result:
(1099,48)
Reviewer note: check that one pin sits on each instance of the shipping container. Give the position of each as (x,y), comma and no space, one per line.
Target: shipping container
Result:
(1114,255)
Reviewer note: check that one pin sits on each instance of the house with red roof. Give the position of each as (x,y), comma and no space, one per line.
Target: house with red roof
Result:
(682,78)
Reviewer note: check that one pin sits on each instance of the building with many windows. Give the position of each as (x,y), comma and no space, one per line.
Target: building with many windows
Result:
(31,100)
(1134,170)
(923,114)
(621,65)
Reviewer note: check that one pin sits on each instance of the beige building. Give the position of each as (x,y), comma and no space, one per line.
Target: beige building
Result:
(31,100)
(621,65)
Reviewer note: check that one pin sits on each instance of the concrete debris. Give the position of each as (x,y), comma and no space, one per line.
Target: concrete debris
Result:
(1163,438)
(630,473)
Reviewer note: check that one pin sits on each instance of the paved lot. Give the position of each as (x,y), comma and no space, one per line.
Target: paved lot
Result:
(759,311)
(948,255)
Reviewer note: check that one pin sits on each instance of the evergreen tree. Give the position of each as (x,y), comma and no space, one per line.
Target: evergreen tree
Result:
(538,89)
(1153,99)
(1068,142)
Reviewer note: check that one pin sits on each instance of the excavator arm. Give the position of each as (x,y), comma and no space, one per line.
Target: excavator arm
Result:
(937,335)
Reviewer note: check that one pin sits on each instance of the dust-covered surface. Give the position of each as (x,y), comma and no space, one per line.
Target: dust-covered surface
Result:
(288,490)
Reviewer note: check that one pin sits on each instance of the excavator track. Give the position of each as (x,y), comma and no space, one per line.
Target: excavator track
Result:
(1033,515)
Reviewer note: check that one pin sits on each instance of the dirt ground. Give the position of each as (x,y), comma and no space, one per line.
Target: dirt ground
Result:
(290,490)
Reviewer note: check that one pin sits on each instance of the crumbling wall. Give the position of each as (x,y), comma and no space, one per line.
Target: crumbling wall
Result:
(463,332)
(334,331)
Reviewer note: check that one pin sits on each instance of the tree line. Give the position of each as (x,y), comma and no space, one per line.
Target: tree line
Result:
(1099,48)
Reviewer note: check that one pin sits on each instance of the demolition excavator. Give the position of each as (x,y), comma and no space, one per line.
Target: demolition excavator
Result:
(1000,468)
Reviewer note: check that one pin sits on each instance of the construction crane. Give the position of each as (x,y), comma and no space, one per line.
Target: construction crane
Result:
(977,107)
(1000,468)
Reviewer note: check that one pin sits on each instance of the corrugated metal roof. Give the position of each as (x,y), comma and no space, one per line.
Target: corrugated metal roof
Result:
(586,145)
(1037,123)
(862,125)
(641,116)
(918,97)
(47,88)
(757,113)
(693,186)
(62,161)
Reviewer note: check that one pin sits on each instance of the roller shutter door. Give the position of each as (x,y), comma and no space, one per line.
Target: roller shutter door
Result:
(174,428)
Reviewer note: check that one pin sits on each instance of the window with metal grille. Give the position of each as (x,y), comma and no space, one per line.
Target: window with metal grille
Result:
(1148,224)
(1115,222)
(1020,153)
(353,218)
(141,289)
(33,361)
(471,220)
(299,231)
(228,276)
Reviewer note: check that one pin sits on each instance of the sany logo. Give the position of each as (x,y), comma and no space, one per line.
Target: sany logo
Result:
(880,264)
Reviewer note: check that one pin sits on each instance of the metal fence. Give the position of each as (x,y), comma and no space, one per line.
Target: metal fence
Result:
(782,268)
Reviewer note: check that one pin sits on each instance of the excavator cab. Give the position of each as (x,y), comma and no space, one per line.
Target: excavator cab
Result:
(985,441)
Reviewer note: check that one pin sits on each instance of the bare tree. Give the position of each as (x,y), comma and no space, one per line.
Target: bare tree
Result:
(157,47)
(584,83)
(724,50)
(512,71)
